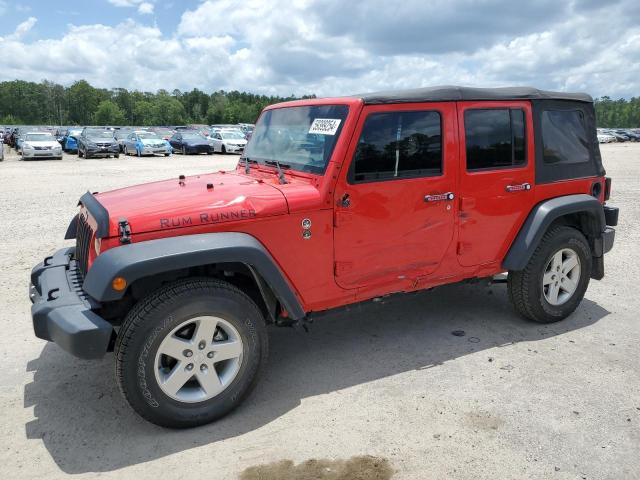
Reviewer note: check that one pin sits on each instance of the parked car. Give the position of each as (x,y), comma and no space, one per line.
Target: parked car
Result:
(142,143)
(70,140)
(335,201)
(620,137)
(121,136)
(40,145)
(632,136)
(190,141)
(605,137)
(229,141)
(97,142)
(163,132)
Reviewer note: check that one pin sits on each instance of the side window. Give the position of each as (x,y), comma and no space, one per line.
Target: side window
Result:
(398,145)
(495,138)
(564,137)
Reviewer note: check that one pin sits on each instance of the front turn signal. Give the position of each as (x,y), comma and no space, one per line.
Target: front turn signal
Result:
(119,284)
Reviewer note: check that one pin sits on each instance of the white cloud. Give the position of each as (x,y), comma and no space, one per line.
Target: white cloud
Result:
(307,46)
(145,8)
(21,30)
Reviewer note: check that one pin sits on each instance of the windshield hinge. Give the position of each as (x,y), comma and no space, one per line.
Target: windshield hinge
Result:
(125,231)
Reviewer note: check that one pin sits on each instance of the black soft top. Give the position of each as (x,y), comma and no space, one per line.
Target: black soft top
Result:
(451,93)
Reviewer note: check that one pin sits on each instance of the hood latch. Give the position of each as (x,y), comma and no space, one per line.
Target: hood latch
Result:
(125,231)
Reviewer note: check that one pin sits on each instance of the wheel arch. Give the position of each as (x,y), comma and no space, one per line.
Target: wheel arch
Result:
(581,211)
(150,263)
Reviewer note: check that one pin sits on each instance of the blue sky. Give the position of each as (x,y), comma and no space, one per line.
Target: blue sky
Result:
(327,47)
(54,16)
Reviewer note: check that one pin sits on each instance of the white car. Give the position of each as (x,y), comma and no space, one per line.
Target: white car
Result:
(40,145)
(604,137)
(228,141)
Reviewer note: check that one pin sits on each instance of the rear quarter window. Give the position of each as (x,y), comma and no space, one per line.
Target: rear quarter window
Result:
(564,137)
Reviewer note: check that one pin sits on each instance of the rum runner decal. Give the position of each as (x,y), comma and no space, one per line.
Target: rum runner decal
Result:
(207,218)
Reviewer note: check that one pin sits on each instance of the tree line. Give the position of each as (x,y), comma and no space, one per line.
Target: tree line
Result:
(48,103)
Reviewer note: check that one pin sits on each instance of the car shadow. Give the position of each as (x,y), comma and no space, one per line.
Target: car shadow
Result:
(86,426)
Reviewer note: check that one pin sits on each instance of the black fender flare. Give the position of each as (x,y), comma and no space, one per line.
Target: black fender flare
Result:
(543,215)
(143,259)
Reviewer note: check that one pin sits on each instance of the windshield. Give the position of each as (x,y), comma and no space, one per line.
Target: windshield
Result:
(192,136)
(99,134)
(38,137)
(75,132)
(149,135)
(301,138)
(232,135)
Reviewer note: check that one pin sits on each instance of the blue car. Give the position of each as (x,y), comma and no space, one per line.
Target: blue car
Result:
(70,140)
(142,143)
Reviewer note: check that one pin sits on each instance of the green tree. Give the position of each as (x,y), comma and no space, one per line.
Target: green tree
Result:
(108,113)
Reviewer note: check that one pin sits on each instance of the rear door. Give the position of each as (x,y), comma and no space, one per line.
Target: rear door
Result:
(395,206)
(496,177)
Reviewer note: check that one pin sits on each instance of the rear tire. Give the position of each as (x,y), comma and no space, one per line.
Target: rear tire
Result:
(164,365)
(556,278)
(223,150)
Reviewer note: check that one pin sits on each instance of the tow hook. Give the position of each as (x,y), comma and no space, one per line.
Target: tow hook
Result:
(125,231)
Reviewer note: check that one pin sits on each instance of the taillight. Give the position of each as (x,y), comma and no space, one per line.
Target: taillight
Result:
(607,188)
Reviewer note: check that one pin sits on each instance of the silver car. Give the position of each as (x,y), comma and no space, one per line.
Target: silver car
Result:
(40,145)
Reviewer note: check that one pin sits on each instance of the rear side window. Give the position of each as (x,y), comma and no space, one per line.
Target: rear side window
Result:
(564,137)
(398,145)
(495,138)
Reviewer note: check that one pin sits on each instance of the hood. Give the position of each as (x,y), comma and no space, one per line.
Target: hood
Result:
(101,139)
(153,141)
(172,204)
(199,141)
(43,143)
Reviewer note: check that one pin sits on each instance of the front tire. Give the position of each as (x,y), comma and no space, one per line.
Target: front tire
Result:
(556,278)
(190,352)
(80,154)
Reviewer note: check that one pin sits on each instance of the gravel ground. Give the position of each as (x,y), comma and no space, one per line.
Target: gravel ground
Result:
(510,399)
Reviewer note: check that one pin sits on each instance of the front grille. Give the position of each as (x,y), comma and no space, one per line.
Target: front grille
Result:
(83,241)
(42,148)
(103,144)
(202,148)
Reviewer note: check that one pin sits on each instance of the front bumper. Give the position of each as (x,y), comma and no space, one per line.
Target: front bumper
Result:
(155,151)
(199,149)
(97,151)
(41,153)
(62,312)
(234,148)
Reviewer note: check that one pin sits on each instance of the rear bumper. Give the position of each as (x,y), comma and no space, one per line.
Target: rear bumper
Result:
(62,312)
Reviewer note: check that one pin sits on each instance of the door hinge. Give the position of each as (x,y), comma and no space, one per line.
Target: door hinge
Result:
(341,267)
(340,217)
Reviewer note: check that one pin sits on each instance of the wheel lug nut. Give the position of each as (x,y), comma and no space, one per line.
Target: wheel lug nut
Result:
(210,354)
(201,345)
(190,367)
(187,353)
(203,368)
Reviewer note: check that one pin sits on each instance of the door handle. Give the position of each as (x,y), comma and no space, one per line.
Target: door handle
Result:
(518,188)
(439,197)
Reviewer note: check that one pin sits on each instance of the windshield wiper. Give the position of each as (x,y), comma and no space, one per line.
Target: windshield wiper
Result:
(278,166)
(247,168)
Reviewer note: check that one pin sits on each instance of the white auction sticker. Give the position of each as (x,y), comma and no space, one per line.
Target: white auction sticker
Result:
(325,126)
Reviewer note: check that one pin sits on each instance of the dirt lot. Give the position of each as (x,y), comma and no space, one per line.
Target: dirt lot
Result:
(510,399)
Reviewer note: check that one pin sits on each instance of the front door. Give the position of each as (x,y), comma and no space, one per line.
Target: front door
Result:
(395,197)
(496,177)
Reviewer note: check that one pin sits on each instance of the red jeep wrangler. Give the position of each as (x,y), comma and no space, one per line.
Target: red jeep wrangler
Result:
(335,201)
